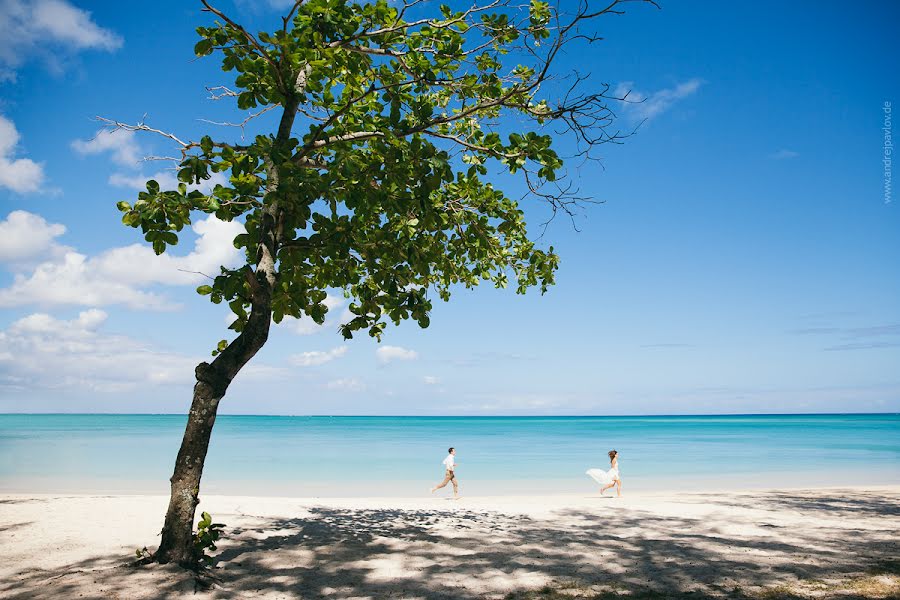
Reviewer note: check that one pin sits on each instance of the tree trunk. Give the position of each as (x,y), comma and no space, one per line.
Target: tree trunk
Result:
(177,544)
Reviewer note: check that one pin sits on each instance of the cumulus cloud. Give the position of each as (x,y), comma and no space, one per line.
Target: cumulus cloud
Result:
(72,281)
(316,358)
(645,106)
(123,149)
(41,351)
(137,264)
(166,180)
(25,237)
(120,144)
(386,354)
(306,326)
(48,29)
(21,175)
(72,25)
(118,275)
(431,380)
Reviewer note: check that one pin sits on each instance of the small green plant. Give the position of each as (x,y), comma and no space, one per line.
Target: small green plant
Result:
(144,556)
(205,539)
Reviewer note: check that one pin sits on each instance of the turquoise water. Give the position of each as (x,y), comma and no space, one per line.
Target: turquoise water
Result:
(362,456)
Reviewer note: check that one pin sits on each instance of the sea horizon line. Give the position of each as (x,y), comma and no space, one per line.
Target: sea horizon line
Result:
(465,416)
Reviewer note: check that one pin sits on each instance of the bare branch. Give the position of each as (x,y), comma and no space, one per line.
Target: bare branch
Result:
(140,126)
(184,146)
(243,123)
(161,158)
(197,273)
(472,146)
(217,92)
(287,18)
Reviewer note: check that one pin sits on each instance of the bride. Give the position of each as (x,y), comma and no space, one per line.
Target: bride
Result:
(608,479)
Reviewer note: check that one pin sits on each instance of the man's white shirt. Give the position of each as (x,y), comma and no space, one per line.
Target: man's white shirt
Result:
(449,462)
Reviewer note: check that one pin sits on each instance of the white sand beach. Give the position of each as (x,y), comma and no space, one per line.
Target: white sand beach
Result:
(776,544)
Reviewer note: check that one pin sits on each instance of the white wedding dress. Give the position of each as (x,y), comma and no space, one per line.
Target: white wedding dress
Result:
(603,477)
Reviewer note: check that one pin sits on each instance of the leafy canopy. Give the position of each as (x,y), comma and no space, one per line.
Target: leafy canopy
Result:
(375,181)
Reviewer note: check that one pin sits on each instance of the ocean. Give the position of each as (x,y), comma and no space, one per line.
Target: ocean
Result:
(401,456)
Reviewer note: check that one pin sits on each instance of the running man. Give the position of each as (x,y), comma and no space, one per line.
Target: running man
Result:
(450,474)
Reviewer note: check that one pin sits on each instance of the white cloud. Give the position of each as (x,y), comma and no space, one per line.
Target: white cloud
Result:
(42,351)
(21,175)
(431,380)
(49,29)
(25,236)
(72,25)
(116,276)
(641,106)
(784,154)
(119,143)
(124,150)
(316,358)
(350,384)
(72,281)
(306,326)
(137,264)
(262,372)
(166,180)
(386,354)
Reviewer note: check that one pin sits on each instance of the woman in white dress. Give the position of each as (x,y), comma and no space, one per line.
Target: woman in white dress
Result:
(608,479)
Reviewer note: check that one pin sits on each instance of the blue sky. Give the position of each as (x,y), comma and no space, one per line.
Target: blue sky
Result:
(744,258)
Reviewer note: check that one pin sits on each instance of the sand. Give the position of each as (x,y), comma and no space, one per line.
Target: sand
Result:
(776,544)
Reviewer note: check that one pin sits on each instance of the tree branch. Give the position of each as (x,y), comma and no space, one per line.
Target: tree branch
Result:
(243,123)
(253,41)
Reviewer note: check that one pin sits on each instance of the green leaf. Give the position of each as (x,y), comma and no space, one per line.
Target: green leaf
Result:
(246,100)
(203,47)
(132,218)
(205,290)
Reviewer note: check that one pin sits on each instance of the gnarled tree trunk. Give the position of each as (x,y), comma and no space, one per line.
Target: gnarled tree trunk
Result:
(177,533)
(177,544)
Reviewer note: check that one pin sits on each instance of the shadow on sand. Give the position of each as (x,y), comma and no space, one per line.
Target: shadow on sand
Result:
(455,553)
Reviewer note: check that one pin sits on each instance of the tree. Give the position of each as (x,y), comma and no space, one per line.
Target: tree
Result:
(375,180)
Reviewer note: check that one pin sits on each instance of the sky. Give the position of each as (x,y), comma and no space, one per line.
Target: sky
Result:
(742,258)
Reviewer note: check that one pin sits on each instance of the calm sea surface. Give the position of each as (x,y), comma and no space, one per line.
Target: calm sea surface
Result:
(387,456)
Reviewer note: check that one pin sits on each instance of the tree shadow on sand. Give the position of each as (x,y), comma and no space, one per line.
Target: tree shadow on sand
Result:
(463,554)
(836,503)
